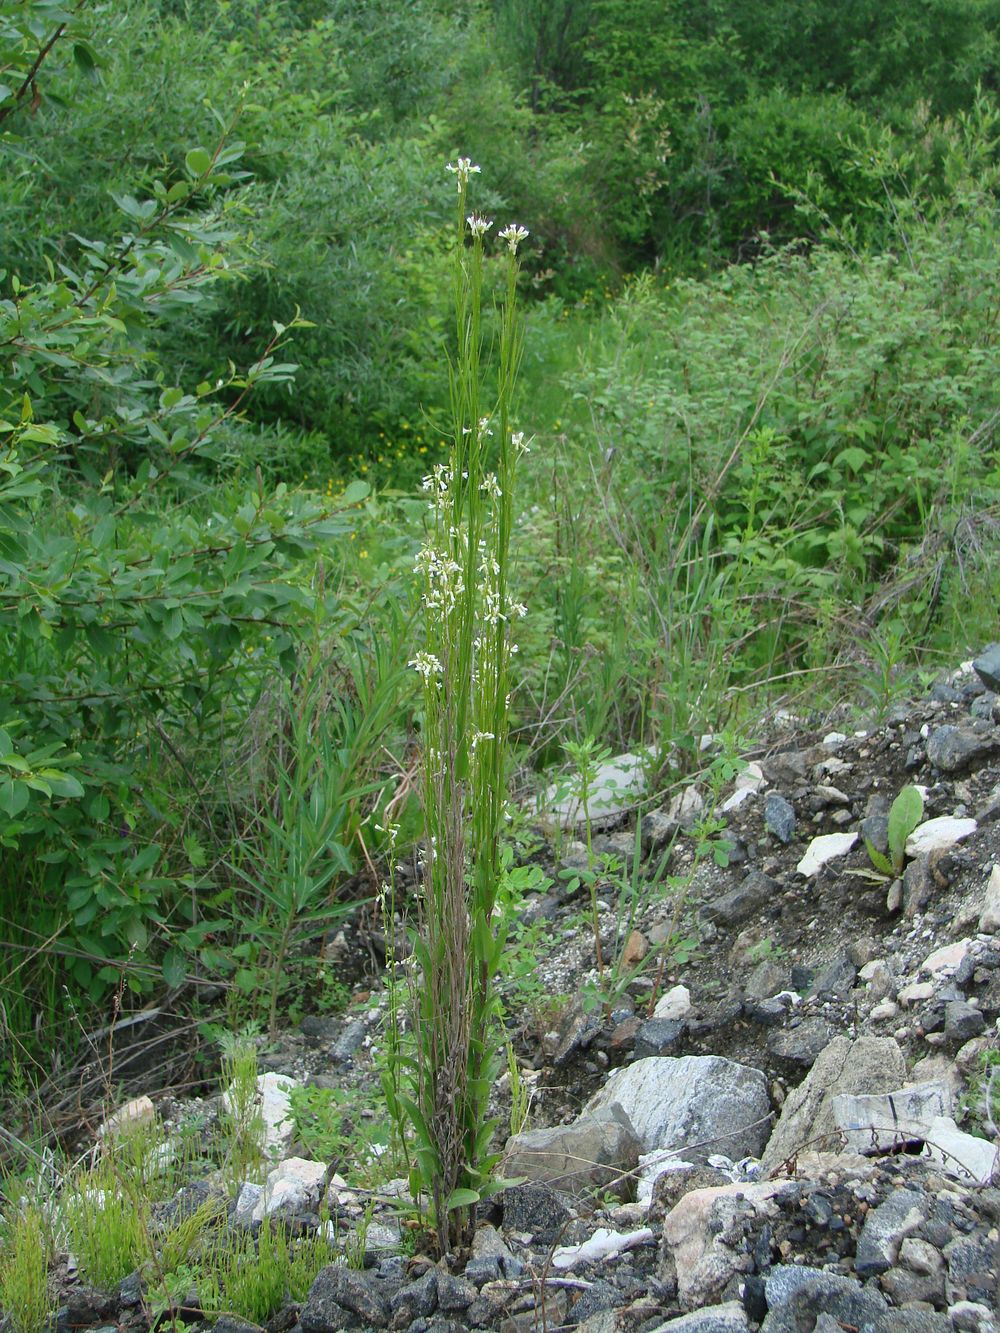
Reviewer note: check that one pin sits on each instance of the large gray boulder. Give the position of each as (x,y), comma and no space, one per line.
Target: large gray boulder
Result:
(863,1067)
(701,1104)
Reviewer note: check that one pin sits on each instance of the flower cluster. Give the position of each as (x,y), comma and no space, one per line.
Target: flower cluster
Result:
(444,579)
(513,234)
(479,225)
(427,665)
(462,170)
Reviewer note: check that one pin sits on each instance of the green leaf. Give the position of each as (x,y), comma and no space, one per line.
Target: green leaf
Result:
(904,816)
(198,162)
(173,966)
(461,1198)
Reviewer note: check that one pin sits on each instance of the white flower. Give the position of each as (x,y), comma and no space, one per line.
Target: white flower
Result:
(478,736)
(462,169)
(517,610)
(491,486)
(427,665)
(479,225)
(484,426)
(513,234)
(517,440)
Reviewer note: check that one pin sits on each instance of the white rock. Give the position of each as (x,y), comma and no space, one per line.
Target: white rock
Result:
(915,992)
(880,1121)
(823,849)
(275,1110)
(139,1111)
(945,960)
(738,797)
(961,1155)
(885,1010)
(616,786)
(935,834)
(247,1200)
(602,1245)
(989,919)
(833,739)
(675,1004)
(294,1185)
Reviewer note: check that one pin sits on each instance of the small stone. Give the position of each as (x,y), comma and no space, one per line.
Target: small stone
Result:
(674,1005)
(657,832)
(779,817)
(962,1022)
(731,1317)
(635,950)
(935,834)
(658,1036)
(987,667)
(916,992)
(825,848)
(971,1317)
(686,808)
(946,960)
(337,1290)
(920,1257)
(743,902)
(801,1045)
(837,978)
(989,920)
(884,1230)
(594,1152)
(536,1209)
(972,1271)
(951,749)
(884,1011)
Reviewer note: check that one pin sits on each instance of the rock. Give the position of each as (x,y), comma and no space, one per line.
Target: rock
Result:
(767,979)
(915,993)
(912,1321)
(989,917)
(743,902)
(747,783)
(536,1209)
(349,1042)
(951,749)
(825,848)
(594,1152)
(634,951)
(884,1011)
(946,960)
(867,1065)
(793,1305)
(675,1004)
(657,831)
(454,1293)
(658,1036)
(701,1104)
(779,817)
(663,1186)
(686,808)
(884,1230)
(415,1301)
(935,834)
(917,886)
(728,1318)
(837,978)
(919,1256)
(882,1122)
(294,1186)
(962,1022)
(339,1293)
(904,1287)
(139,1111)
(971,1317)
(987,667)
(961,1155)
(803,1044)
(274,1111)
(786,769)
(972,1271)
(703,1237)
(615,786)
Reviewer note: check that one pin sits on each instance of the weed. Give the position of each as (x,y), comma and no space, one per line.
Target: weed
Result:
(241,1117)
(25,1248)
(108,1225)
(254,1280)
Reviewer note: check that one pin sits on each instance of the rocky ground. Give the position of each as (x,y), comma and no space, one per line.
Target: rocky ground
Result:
(791,1130)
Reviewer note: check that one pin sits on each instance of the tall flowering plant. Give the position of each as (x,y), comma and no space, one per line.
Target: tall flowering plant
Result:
(440,1077)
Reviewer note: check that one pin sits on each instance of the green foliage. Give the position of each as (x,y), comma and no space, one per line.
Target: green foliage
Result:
(905,814)
(254,1279)
(25,1249)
